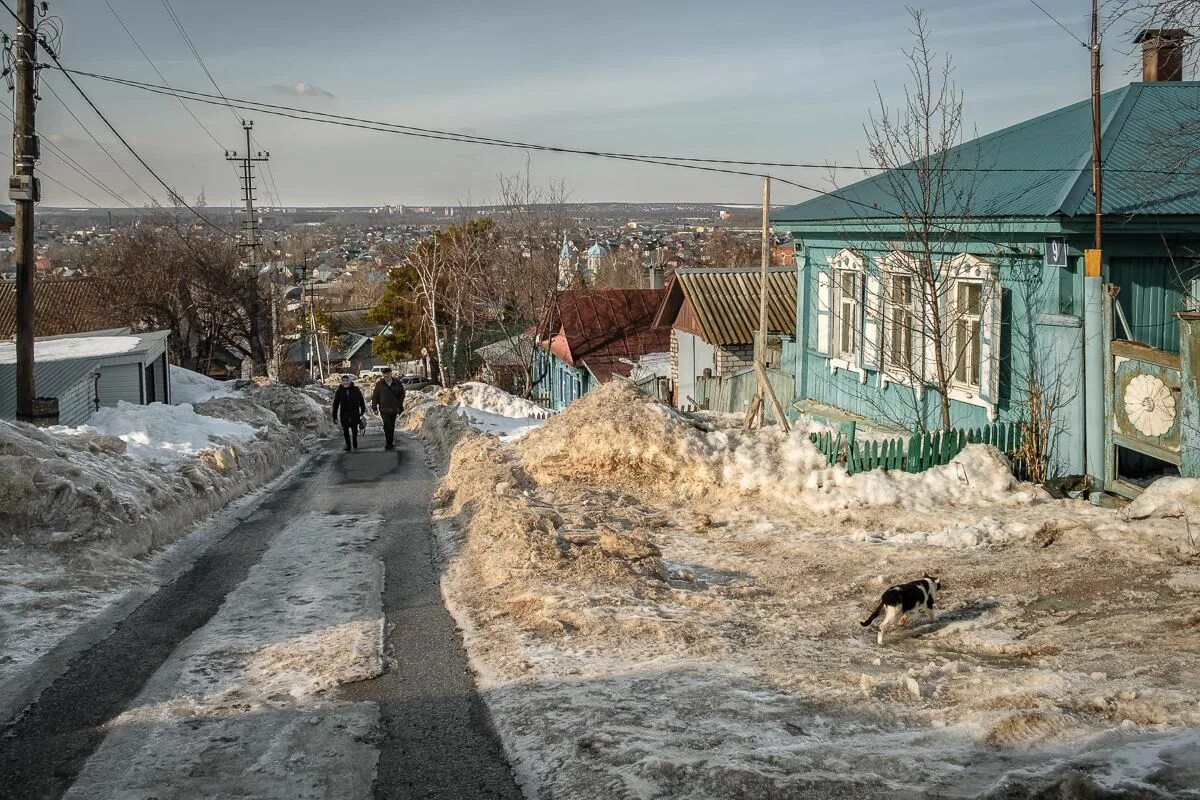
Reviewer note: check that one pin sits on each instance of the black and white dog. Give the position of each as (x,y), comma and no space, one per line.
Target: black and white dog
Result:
(899,600)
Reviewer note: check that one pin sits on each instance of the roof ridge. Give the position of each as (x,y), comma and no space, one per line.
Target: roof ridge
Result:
(1071,200)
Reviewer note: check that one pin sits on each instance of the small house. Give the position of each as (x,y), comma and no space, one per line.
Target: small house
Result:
(591,336)
(713,314)
(76,375)
(1028,330)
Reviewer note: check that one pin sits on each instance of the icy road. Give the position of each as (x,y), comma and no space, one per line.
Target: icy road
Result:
(307,654)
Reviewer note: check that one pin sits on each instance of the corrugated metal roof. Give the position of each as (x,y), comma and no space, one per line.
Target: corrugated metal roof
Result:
(604,328)
(1042,167)
(61,306)
(725,301)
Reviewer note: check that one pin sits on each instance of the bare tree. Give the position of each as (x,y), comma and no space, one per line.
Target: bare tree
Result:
(452,268)
(531,223)
(921,322)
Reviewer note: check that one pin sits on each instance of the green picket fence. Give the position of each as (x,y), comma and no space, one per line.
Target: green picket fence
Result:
(915,453)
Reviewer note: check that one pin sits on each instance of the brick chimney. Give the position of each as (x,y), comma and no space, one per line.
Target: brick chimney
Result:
(1162,53)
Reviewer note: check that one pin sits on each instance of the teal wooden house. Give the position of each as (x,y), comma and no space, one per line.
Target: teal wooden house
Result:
(1017,312)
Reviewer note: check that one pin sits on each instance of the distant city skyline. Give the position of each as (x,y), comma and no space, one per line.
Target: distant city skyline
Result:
(768,80)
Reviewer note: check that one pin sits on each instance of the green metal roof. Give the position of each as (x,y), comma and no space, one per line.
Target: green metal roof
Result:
(1042,167)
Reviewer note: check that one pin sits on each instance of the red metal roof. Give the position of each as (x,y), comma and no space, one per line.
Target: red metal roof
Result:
(599,328)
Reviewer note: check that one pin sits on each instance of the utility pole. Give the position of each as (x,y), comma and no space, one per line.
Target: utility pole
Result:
(1097,461)
(765,393)
(23,190)
(250,233)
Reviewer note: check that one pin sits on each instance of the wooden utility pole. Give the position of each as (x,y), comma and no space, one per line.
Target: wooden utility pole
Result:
(23,191)
(765,393)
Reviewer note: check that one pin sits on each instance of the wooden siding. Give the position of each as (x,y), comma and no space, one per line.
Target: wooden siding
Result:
(1151,293)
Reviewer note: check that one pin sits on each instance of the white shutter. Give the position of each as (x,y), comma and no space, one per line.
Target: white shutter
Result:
(872,326)
(989,343)
(824,312)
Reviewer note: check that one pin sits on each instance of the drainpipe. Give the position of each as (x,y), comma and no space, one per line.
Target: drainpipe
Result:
(1093,373)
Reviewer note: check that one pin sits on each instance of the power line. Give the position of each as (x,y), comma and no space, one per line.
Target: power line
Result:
(75,165)
(1059,24)
(171,193)
(162,77)
(98,143)
(188,40)
(405,131)
(310,115)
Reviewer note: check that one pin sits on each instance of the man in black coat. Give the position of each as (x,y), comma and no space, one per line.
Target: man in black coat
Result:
(348,399)
(388,401)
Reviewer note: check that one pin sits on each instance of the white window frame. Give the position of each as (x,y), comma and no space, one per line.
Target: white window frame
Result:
(962,354)
(846,261)
(968,268)
(899,372)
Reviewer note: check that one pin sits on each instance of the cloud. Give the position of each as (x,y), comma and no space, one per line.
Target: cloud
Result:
(62,140)
(302,90)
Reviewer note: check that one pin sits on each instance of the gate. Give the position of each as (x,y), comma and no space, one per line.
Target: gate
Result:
(1143,403)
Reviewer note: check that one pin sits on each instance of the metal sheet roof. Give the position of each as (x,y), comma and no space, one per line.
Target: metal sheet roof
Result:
(725,301)
(61,306)
(1042,167)
(604,329)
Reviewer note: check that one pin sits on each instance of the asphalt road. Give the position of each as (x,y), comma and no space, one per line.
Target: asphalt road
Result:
(435,741)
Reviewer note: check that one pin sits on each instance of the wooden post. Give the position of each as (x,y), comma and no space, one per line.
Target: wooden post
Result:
(765,393)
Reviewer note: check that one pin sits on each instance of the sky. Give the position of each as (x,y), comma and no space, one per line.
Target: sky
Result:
(775,80)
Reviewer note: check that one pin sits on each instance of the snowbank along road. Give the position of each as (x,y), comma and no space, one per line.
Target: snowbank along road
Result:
(307,654)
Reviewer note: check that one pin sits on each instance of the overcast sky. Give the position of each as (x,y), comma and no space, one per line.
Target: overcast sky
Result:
(766,80)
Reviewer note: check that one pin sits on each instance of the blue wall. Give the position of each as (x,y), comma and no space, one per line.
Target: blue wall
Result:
(1035,335)
(559,382)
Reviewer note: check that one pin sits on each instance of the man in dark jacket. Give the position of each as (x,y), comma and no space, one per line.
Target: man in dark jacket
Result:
(348,399)
(388,401)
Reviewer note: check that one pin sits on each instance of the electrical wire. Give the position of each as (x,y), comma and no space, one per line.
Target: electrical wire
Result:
(75,165)
(171,193)
(196,53)
(162,77)
(442,135)
(1059,24)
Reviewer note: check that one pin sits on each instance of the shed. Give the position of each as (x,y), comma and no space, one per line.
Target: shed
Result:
(80,373)
(713,314)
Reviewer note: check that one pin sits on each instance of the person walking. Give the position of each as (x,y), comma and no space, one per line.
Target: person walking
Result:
(388,401)
(348,399)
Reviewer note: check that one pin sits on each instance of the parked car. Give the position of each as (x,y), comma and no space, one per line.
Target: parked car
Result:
(415,383)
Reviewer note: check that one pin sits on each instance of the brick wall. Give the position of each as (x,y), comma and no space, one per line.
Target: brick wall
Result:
(732,357)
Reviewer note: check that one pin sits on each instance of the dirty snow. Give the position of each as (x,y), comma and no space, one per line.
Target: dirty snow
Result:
(238,709)
(490,399)
(71,347)
(192,387)
(158,432)
(80,517)
(658,609)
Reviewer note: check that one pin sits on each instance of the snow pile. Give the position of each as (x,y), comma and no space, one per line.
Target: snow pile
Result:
(1166,498)
(192,387)
(160,432)
(295,409)
(491,400)
(80,507)
(636,588)
(618,437)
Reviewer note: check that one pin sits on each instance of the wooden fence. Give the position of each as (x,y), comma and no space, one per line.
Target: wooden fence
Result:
(732,392)
(918,452)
